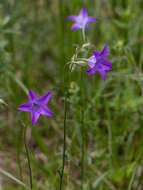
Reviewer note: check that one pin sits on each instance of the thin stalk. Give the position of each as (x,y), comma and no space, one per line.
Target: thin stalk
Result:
(28,158)
(82,133)
(64,146)
(82,122)
(83,34)
(66,79)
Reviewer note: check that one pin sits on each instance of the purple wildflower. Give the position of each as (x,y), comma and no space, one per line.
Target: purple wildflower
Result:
(36,106)
(82,20)
(97,62)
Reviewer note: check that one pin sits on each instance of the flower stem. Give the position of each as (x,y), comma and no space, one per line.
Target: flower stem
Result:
(64,145)
(28,158)
(82,133)
(66,85)
(83,34)
(82,122)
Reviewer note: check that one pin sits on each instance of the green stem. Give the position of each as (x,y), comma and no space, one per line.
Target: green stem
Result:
(64,146)
(82,133)
(28,158)
(66,79)
(82,122)
(83,34)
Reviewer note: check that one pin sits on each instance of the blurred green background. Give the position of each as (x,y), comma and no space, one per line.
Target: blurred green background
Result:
(35,44)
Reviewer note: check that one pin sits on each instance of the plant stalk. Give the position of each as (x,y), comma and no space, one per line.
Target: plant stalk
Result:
(64,146)
(66,79)
(82,133)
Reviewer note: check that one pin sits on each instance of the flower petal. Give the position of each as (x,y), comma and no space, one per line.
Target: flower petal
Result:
(44,99)
(83,12)
(25,107)
(103,74)
(32,96)
(104,52)
(46,111)
(106,65)
(75,27)
(95,53)
(91,71)
(86,27)
(91,61)
(72,17)
(92,19)
(34,117)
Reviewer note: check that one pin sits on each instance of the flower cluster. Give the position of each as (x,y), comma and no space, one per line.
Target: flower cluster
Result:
(97,63)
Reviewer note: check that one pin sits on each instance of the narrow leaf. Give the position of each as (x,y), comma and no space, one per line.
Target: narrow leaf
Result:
(97,182)
(13,178)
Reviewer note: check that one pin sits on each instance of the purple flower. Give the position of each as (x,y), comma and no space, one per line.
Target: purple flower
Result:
(36,106)
(82,20)
(97,62)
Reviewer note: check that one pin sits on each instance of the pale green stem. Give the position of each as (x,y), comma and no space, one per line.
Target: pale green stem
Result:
(83,34)
(82,123)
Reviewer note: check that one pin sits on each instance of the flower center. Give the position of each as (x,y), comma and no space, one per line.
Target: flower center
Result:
(82,21)
(35,106)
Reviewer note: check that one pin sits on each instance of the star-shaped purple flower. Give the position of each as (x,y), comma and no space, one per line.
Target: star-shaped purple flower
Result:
(97,62)
(36,106)
(82,20)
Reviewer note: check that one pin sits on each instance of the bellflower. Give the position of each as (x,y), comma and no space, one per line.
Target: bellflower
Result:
(82,20)
(36,106)
(99,63)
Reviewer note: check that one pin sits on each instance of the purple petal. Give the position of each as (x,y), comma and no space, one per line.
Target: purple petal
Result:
(72,17)
(45,98)
(83,12)
(75,27)
(46,111)
(34,117)
(86,27)
(95,53)
(91,61)
(106,65)
(32,96)
(25,107)
(103,75)
(104,52)
(91,71)
(92,19)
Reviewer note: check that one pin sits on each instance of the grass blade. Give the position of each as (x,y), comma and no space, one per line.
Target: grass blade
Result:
(97,182)
(13,178)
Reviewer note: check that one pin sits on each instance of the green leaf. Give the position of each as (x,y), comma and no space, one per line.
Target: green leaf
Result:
(13,178)
(98,181)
